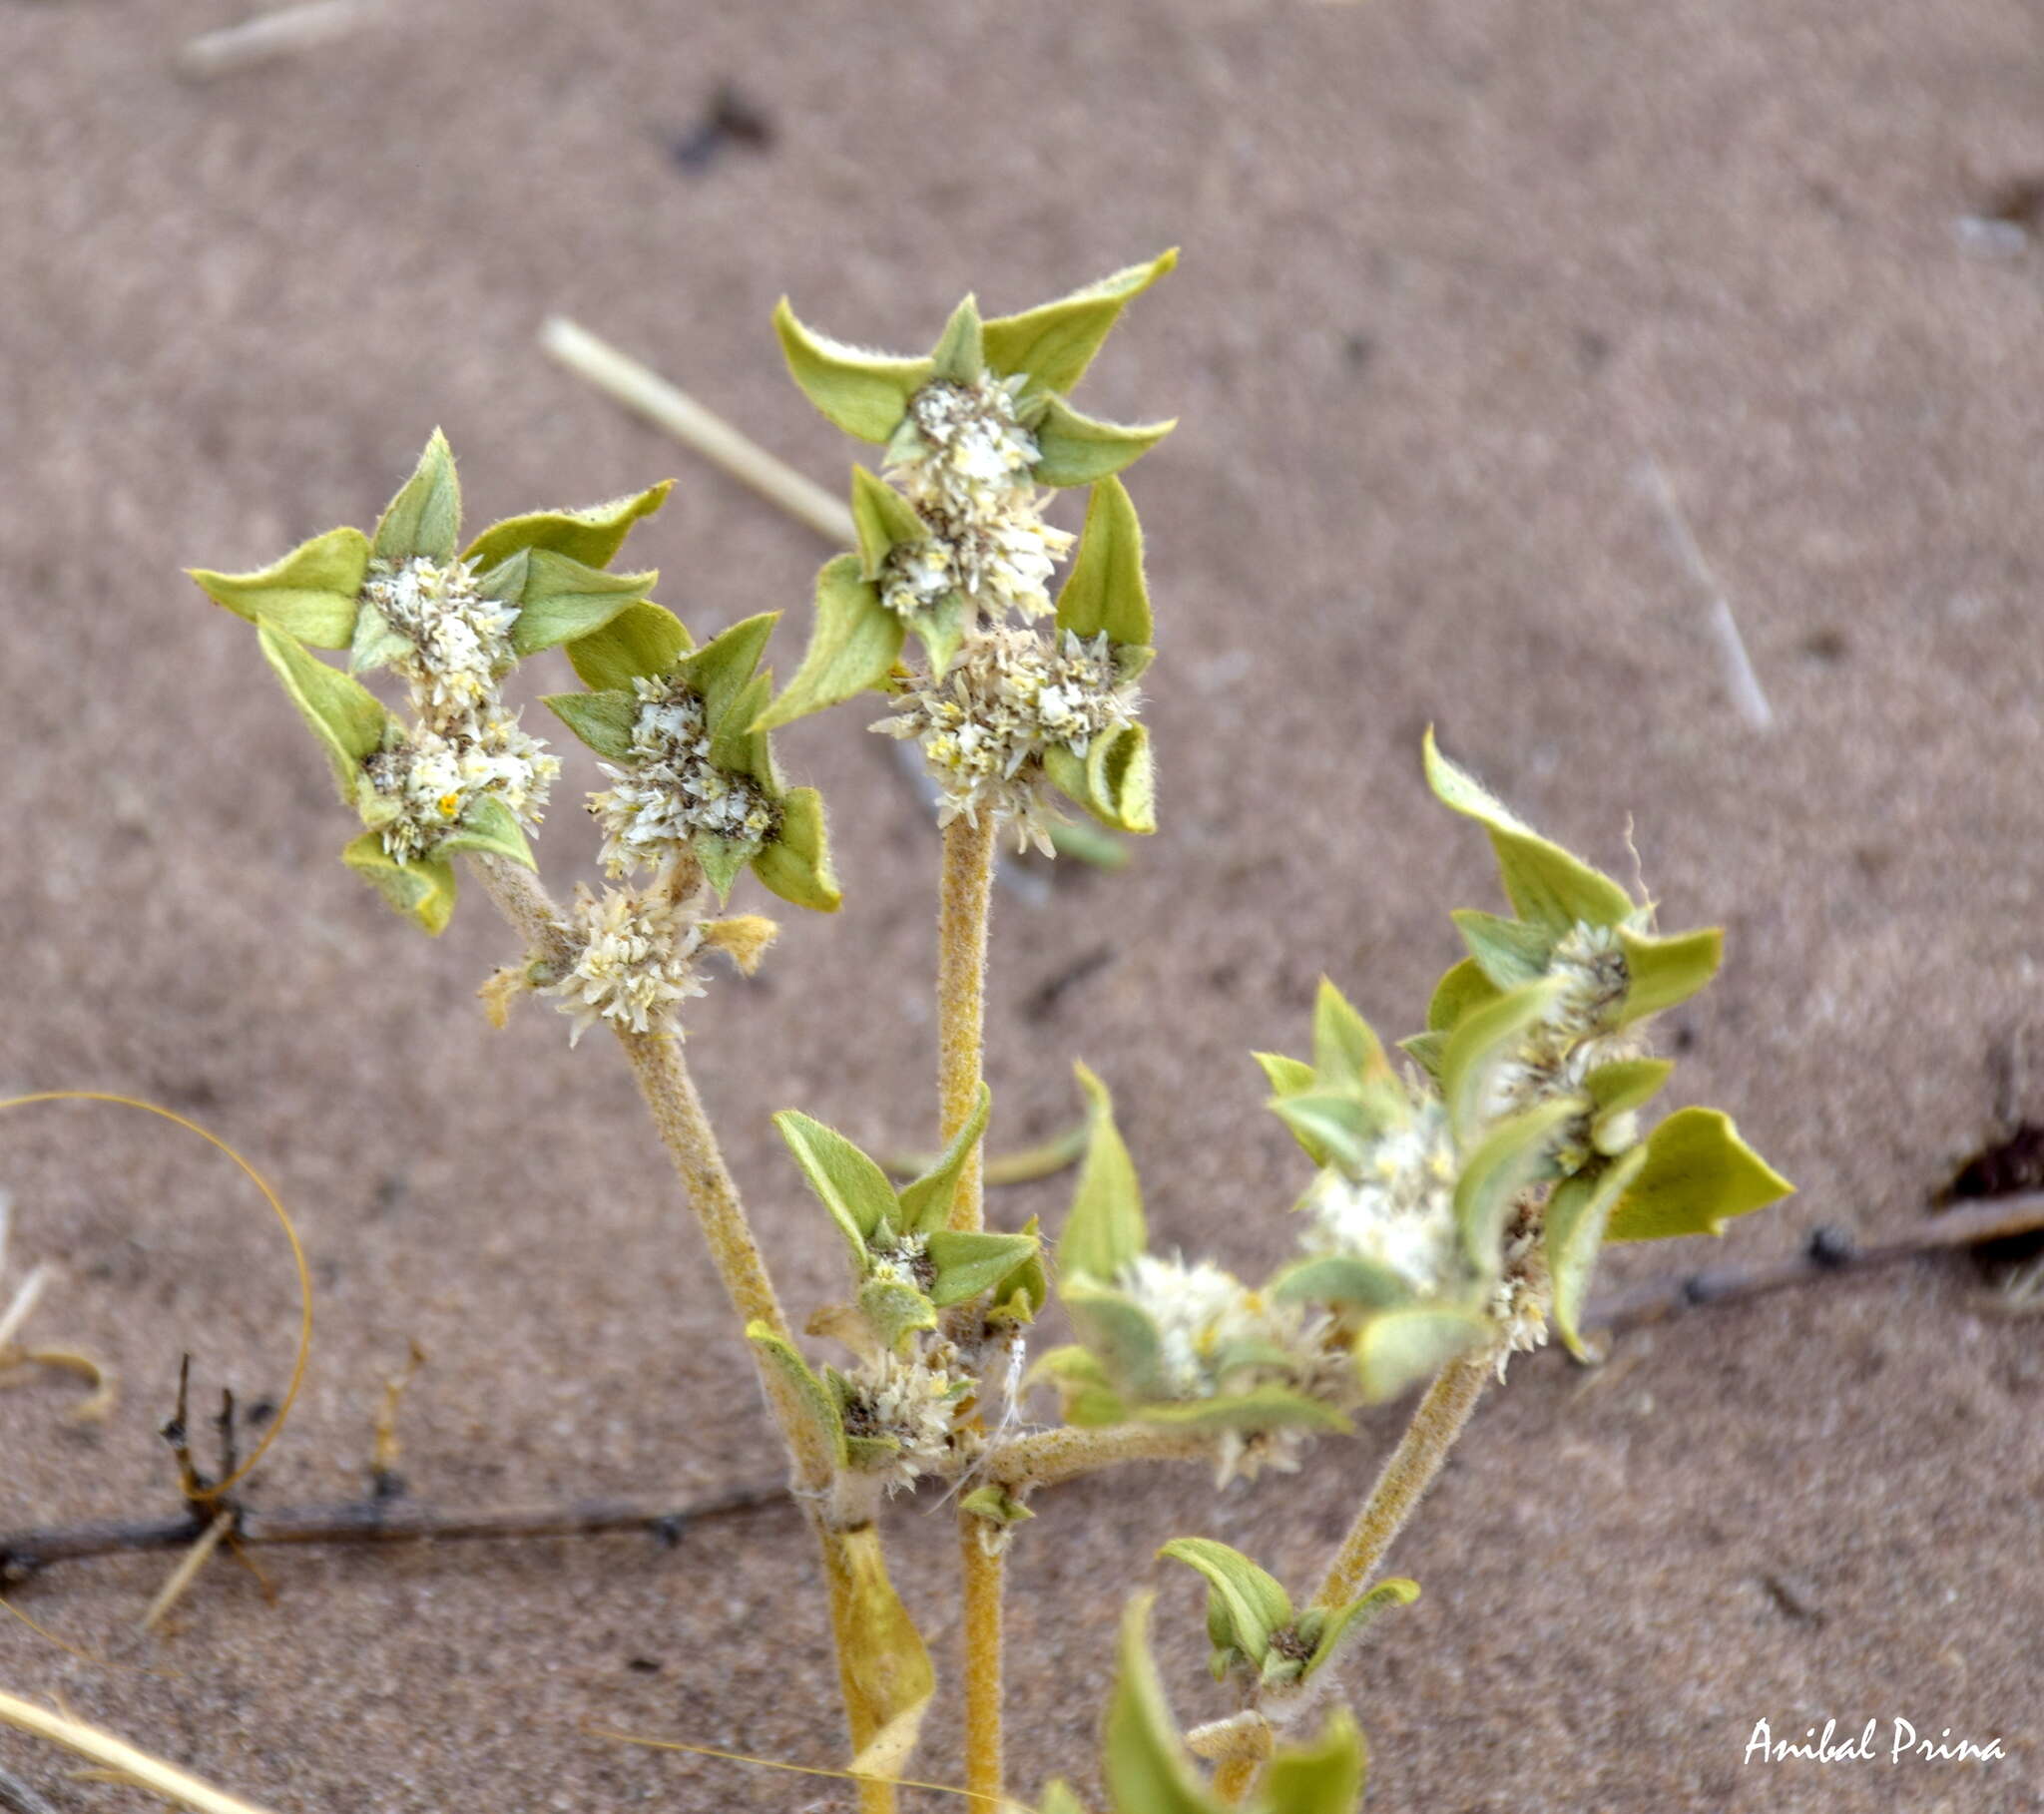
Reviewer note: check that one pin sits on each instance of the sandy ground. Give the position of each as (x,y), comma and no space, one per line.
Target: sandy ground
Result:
(1456,277)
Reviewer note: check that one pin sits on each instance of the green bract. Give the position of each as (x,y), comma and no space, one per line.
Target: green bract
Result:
(908,1260)
(656,667)
(465,779)
(1047,349)
(1148,1770)
(1252,1627)
(315,593)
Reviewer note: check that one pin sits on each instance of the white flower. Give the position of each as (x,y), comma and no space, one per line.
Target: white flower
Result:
(1398,1209)
(635,960)
(912,1403)
(1010,695)
(427,784)
(460,642)
(670,791)
(1555,1054)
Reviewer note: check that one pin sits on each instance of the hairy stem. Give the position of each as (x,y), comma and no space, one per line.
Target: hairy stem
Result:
(985,1582)
(1405,1477)
(678,1116)
(964,905)
(964,902)
(1050,1455)
(111,1753)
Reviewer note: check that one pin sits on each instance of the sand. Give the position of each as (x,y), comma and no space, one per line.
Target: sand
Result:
(1458,279)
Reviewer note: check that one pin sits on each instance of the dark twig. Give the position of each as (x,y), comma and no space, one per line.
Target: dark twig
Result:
(376,1521)
(1829,1253)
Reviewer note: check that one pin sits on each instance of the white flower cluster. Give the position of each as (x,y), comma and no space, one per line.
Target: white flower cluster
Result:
(1557,1053)
(914,1403)
(965,462)
(1010,697)
(672,791)
(635,960)
(426,784)
(1518,1307)
(1219,1338)
(1398,1209)
(465,747)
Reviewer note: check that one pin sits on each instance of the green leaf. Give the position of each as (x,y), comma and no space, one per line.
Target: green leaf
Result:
(603,721)
(997,1506)
(941,629)
(1345,1049)
(1426,1049)
(1147,1769)
(719,670)
(1117,1331)
(1104,1229)
(1577,1216)
(1116,782)
(796,862)
(1543,881)
(1350,1621)
(846,1182)
(970,1262)
(895,1310)
(926,1203)
(1483,1037)
(1465,987)
(720,859)
(1625,1084)
(642,641)
(1664,973)
(883,519)
(1074,449)
(1059,1799)
(865,394)
(810,1392)
(1397,1349)
(1334,1126)
(1324,1778)
(1341,1279)
(1508,952)
(960,356)
(347,717)
(312,594)
(424,519)
(1260,1408)
(1514,1153)
(1246,1605)
(375,644)
(592,536)
(1698,1176)
(854,645)
(1286,1076)
(1105,590)
(1055,342)
(422,891)
(1026,1290)
(564,601)
(488,829)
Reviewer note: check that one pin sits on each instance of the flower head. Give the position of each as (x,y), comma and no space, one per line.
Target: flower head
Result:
(635,960)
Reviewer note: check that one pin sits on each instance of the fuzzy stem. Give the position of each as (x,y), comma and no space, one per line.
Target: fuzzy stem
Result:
(964,903)
(1051,1456)
(670,1092)
(111,1753)
(962,912)
(1406,1476)
(985,1579)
